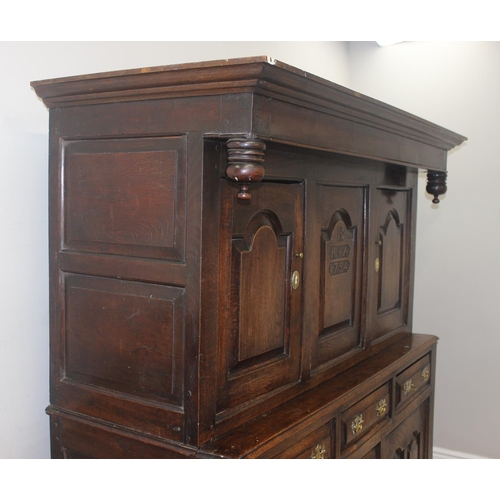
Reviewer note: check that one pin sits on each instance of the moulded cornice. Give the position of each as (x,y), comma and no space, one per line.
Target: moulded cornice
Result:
(260,75)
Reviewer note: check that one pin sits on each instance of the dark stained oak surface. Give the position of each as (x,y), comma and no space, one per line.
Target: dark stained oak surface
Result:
(276,82)
(321,401)
(232,259)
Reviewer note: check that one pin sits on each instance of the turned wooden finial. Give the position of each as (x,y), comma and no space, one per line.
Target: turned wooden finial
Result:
(244,163)
(436,184)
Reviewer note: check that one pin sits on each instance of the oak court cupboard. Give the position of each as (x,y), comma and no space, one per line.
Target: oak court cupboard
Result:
(232,249)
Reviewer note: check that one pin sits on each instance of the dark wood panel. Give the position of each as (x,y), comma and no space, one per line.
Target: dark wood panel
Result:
(270,80)
(236,327)
(113,266)
(213,114)
(81,438)
(124,336)
(335,134)
(390,262)
(341,233)
(260,312)
(261,271)
(321,403)
(364,415)
(411,382)
(374,453)
(201,417)
(315,445)
(410,439)
(125,196)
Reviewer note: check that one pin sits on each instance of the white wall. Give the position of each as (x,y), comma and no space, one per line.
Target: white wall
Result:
(456,85)
(24,365)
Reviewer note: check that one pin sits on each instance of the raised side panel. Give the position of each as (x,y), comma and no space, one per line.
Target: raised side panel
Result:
(125,196)
(341,233)
(259,311)
(81,438)
(125,337)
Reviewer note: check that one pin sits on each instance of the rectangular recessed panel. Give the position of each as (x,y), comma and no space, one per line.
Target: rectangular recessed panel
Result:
(125,336)
(125,196)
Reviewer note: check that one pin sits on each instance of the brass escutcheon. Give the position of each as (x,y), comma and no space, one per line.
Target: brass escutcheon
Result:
(381,407)
(295,280)
(377,264)
(319,451)
(357,424)
(425,374)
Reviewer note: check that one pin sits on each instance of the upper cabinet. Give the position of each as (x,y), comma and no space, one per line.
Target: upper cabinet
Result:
(224,237)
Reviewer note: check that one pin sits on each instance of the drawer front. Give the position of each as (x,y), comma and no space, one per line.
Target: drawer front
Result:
(315,445)
(365,414)
(412,381)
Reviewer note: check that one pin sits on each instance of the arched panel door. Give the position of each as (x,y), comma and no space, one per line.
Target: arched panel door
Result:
(390,262)
(340,237)
(260,290)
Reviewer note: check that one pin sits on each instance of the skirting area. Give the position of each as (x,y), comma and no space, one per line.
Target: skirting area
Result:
(444,453)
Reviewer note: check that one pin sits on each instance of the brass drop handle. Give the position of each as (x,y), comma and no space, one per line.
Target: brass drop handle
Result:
(295,280)
(409,386)
(357,424)
(425,374)
(381,407)
(319,451)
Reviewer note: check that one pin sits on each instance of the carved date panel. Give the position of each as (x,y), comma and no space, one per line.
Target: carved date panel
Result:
(340,230)
(260,292)
(390,255)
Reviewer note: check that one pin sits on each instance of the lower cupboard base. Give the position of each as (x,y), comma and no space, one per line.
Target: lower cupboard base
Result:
(379,409)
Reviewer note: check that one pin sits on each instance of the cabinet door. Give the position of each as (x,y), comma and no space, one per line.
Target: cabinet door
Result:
(339,235)
(389,261)
(410,439)
(260,292)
